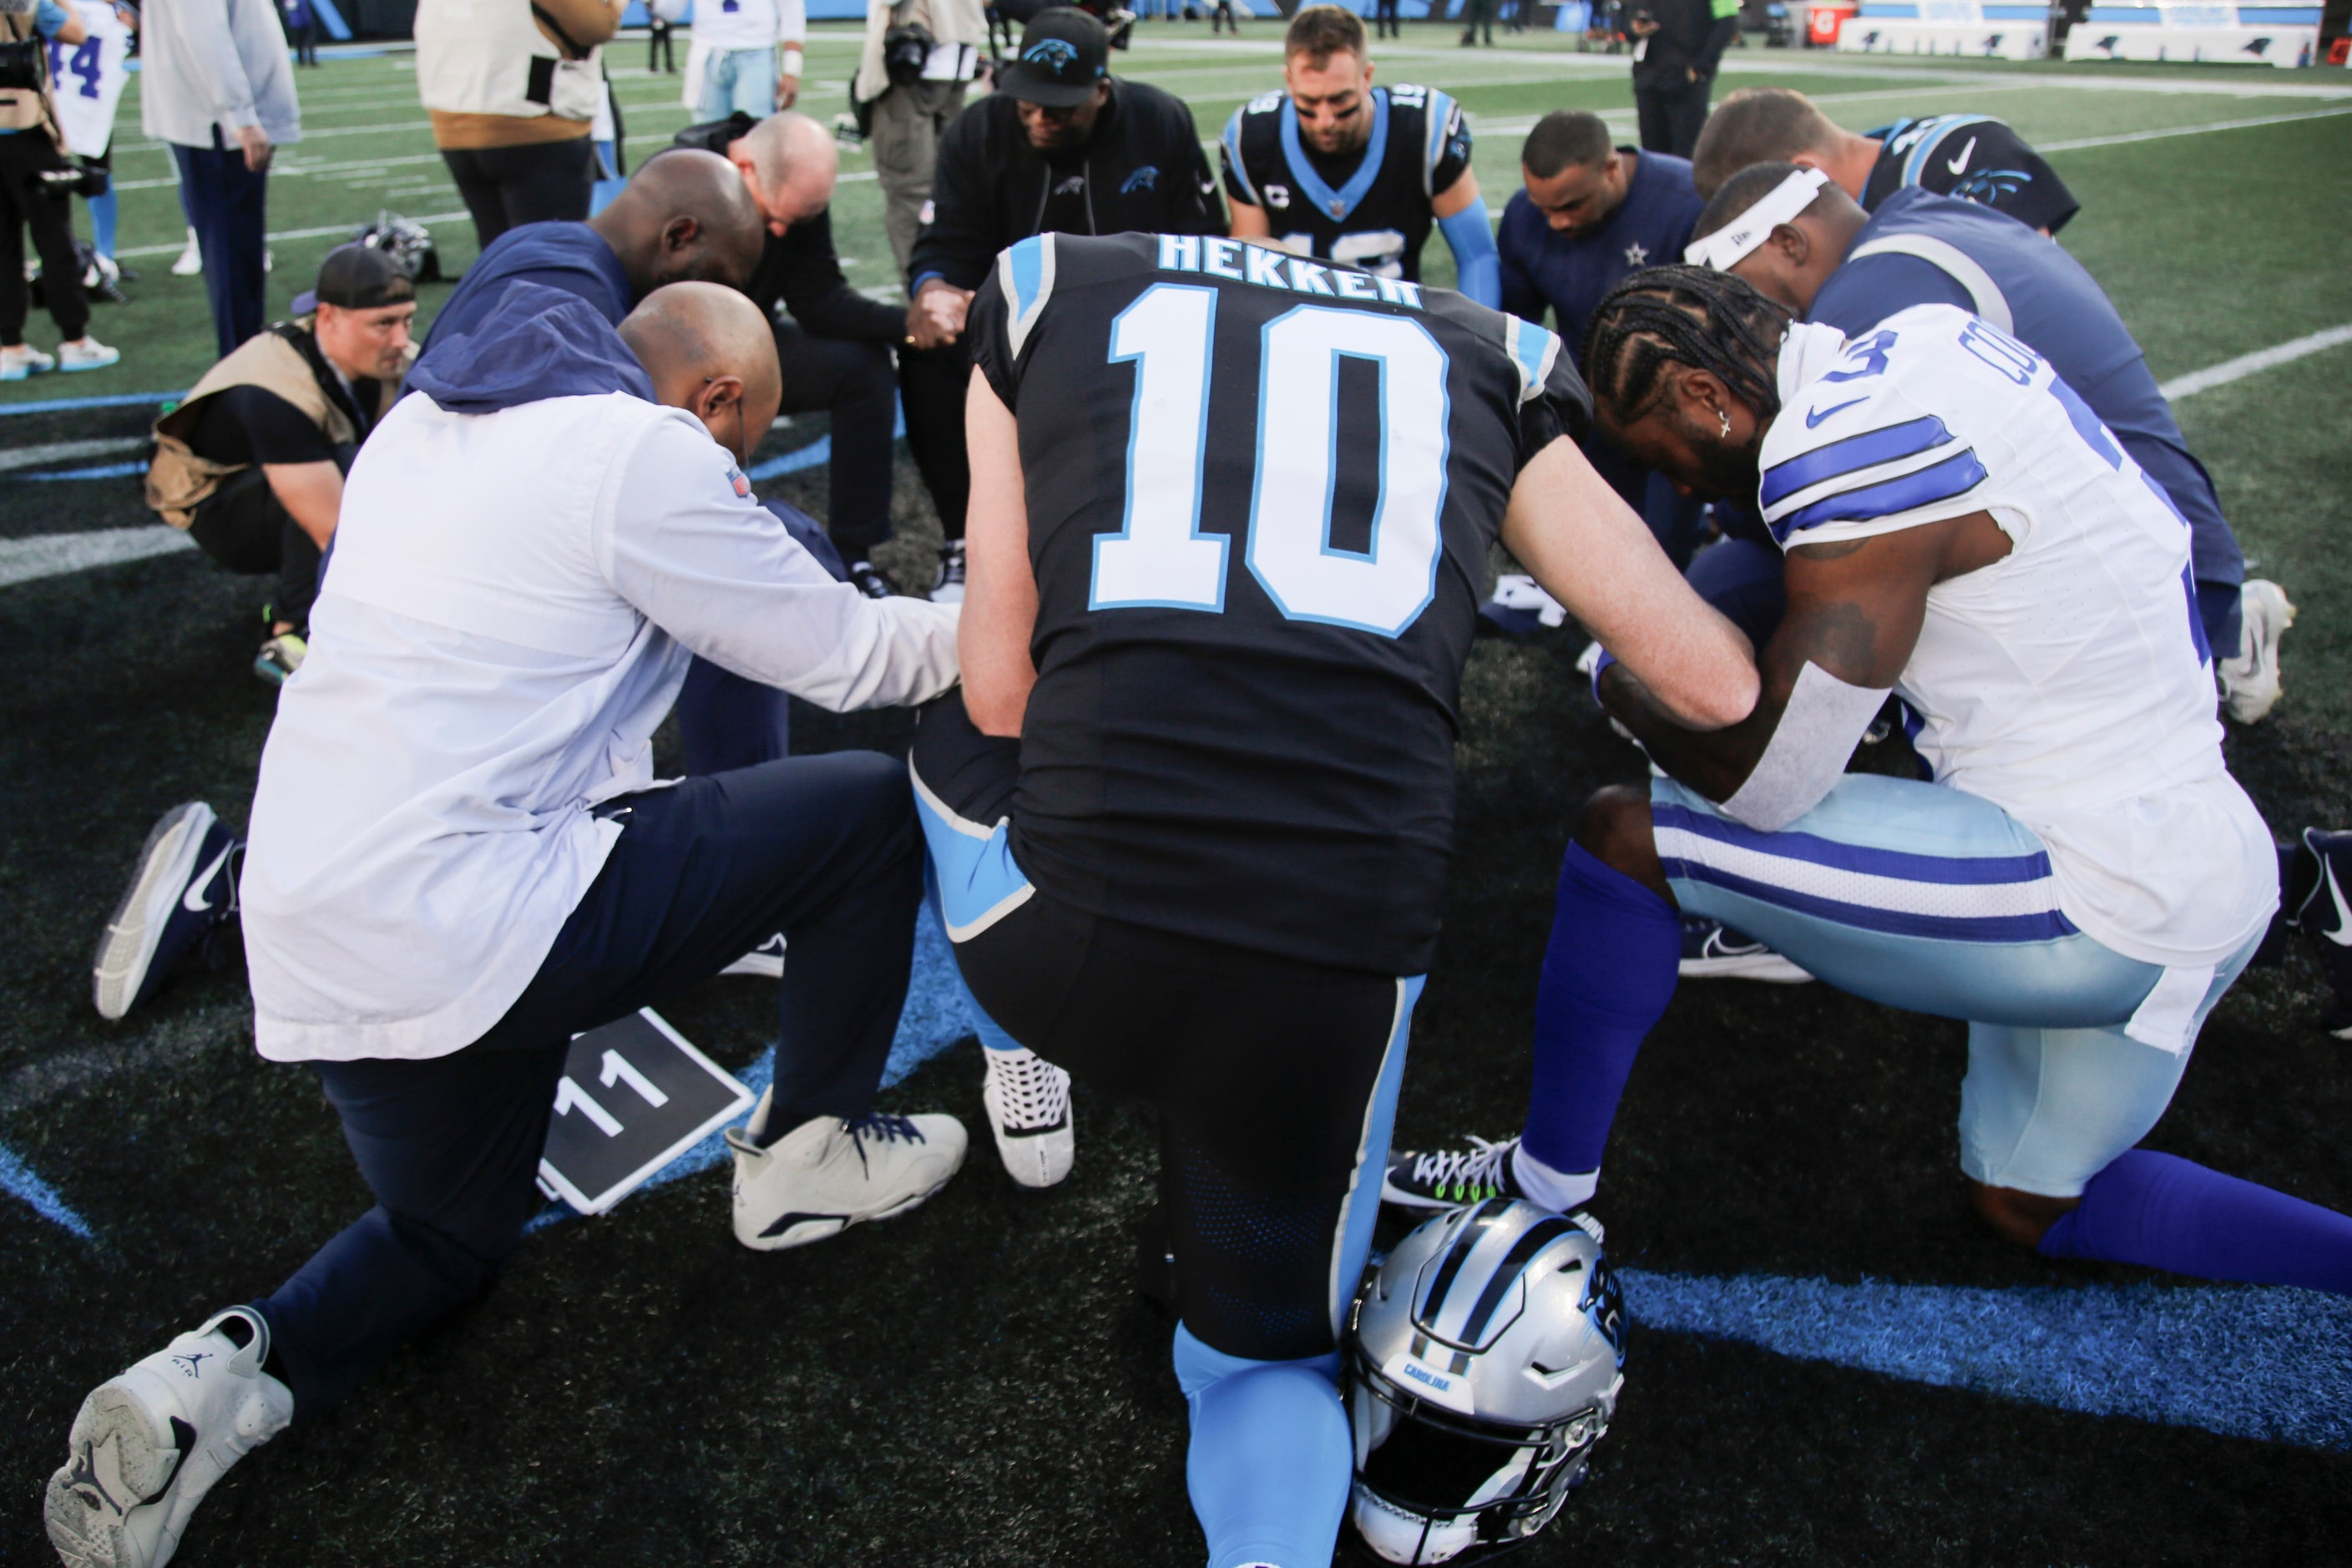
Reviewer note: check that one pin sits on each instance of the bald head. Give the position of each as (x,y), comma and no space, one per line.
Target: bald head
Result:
(789,163)
(708,349)
(683,217)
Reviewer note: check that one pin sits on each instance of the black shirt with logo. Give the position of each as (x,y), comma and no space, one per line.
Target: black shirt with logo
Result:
(1262,491)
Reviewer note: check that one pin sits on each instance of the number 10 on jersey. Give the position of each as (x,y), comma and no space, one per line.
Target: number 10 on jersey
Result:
(1161,559)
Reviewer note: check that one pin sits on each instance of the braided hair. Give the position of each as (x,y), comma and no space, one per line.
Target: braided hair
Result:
(1691,316)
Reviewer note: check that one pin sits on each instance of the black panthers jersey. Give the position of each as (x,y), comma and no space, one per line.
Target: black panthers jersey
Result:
(1369,208)
(1261,494)
(1975,158)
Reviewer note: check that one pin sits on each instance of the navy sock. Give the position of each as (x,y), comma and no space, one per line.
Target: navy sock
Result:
(2167,1213)
(1608,975)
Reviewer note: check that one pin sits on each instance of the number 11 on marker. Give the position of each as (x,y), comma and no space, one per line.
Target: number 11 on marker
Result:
(616,1070)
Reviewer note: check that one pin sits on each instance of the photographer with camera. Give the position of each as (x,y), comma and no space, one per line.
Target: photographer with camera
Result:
(251,462)
(36,183)
(920,55)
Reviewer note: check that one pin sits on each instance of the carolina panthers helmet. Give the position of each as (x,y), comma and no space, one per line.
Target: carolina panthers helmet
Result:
(406,241)
(1483,1363)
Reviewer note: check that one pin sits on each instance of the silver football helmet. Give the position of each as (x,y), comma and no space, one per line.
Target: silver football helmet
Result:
(406,241)
(1483,1363)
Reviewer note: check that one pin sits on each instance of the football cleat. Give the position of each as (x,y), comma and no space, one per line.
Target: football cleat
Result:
(827,1174)
(1028,1100)
(866,580)
(280,657)
(1480,1366)
(148,1445)
(87,352)
(1712,950)
(948,589)
(2325,914)
(767,960)
(182,890)
(1448,1178)
(2250,680)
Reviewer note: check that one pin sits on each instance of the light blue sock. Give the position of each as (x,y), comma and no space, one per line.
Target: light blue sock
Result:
(1270,1460)
(102,222)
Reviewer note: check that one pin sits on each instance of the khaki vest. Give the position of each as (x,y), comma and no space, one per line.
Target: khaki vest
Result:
(178,482)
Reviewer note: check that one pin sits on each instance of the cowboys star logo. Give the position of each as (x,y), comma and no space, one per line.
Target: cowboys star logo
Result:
(1637,256)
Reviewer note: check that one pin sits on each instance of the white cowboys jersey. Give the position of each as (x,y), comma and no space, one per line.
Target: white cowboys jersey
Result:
(2068,683)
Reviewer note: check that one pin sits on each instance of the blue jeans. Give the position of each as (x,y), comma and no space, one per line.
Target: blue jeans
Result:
(822,848)
(738,79)
(226,204)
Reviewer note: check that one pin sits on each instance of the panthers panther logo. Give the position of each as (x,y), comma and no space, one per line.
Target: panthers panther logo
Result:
(1051,54)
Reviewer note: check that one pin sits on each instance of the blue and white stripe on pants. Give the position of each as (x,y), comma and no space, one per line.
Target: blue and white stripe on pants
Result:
(1929,899)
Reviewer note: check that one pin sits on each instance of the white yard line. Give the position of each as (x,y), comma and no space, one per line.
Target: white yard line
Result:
(55,554)
(2244,366)
(59,451)
(176,246)
(2127,138)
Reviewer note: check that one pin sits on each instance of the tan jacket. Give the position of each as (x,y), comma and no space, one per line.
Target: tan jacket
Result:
(179,481)
(586,22)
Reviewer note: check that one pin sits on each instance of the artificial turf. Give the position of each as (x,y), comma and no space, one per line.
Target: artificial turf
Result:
(977,1382)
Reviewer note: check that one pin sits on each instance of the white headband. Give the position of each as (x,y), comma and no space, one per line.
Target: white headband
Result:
(1727,247)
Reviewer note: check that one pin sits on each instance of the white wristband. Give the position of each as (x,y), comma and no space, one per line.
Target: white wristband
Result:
(1808,751)
(791,62)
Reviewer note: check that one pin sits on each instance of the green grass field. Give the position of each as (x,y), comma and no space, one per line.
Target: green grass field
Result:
(977,1382)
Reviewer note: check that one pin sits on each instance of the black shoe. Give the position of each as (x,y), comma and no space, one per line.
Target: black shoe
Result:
(867,581)
(1448,1178)
(182,891)
(2316,889)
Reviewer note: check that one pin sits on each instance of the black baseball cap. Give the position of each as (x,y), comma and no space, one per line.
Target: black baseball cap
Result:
(357,278)
(1064,53)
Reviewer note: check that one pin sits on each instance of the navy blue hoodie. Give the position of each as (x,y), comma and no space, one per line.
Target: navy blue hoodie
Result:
(539,343)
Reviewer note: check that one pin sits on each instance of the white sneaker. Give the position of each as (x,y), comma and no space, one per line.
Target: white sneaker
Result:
(87,353)
(268,259)
(24,359)
(766,960)
(948,588)
(2249,683)
(191,259)
(1028,1100)
(149,1444)
(827,1174)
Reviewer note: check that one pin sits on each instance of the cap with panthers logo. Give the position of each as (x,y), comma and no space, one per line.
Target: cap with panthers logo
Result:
(1064,53)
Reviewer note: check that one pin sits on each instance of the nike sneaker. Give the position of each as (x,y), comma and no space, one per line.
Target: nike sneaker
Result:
(866,580)
(182,894)
(2325,913)
(280,657)
(1448,1178)
(827,1174)
(948,587)
(148,1444)
(767,960)
(1712,950)
(2250,681)
(21,360)
(1028,1100)
(86,353)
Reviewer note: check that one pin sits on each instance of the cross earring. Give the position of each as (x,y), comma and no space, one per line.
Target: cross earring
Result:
(1724,415)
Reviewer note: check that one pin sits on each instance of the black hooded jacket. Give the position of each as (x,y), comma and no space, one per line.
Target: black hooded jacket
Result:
(1142,169)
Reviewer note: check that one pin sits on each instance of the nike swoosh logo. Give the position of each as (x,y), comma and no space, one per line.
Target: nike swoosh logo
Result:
(194,903)
(2342,935)
(785,1221)
(1956,164)
(1814,419)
